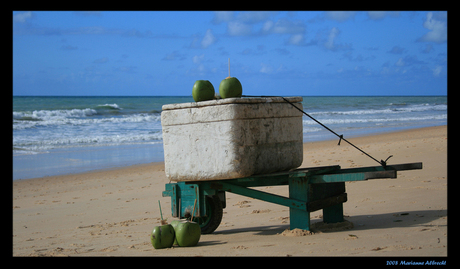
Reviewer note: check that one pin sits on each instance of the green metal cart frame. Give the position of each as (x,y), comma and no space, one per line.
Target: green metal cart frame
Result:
(310,189)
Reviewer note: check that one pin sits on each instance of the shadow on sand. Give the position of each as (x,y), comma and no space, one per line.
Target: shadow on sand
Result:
(399,219)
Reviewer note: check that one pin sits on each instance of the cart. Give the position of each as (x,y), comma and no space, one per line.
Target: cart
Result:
(310,189)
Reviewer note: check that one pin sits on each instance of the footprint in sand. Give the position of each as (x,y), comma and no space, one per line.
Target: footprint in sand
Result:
(257,211)
(242,204)
(240,247)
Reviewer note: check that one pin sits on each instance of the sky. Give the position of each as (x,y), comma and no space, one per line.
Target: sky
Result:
(307,53)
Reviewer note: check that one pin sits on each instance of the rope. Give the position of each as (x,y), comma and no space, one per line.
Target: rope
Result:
(381,162)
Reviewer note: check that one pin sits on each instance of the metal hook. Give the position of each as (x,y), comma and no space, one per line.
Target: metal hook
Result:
(384,163)
(341,137)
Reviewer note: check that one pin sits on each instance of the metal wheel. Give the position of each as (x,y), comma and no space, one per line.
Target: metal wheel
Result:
(214,209)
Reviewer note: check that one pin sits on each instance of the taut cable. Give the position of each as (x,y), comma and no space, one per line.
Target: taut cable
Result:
(381,162)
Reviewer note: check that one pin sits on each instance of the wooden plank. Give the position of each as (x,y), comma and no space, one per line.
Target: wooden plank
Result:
(333,214)
(171,190)
(175,202)
(304,172)
(380,174)
(266,180)
(405,166)
(326,202)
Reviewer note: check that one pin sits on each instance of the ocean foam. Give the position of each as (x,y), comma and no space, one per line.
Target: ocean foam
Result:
(24,120)
(109,106)
(42,130)
(307,121)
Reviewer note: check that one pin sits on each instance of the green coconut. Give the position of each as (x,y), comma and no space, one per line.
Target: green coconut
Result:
(230,87)
(203,91)
(162,236)
(174,224)
(187,233)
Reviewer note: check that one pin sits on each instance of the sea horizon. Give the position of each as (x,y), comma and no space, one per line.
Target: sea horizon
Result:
(410,95)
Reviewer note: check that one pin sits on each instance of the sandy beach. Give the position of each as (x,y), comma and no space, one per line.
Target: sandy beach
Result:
(112,212)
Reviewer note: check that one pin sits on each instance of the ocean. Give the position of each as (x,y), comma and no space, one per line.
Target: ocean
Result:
(62,135)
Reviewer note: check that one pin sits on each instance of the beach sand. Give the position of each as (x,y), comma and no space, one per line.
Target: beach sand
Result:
(112,212)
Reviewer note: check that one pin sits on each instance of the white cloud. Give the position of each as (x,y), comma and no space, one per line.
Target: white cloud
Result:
(208,39)
(408,61)
(222,16)
(296,30)
(126,69)
(266,68)
(376,15)
(200,69)
(283,26)
(437,70)
(88,13)
(254,16)
(198,58)
(175,55)
(204,42)
(438,29)
(101,60)
(22,17)
(237,28)
(340,16)
(243,24)
(267,26)
(380,15)
(397,50)
(329,42)
(99,30)
(297,39)
(281,69)
(428,48)
(400,62)
(331,37)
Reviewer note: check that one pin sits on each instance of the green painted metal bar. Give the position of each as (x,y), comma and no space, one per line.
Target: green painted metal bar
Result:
(299,189)
(395,167)
(364,173)
(264,196)
(330,178)
(337,178)
(281,178)
(168,189)
(183,199)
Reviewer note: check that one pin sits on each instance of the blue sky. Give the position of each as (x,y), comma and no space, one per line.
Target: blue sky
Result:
(271,52)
